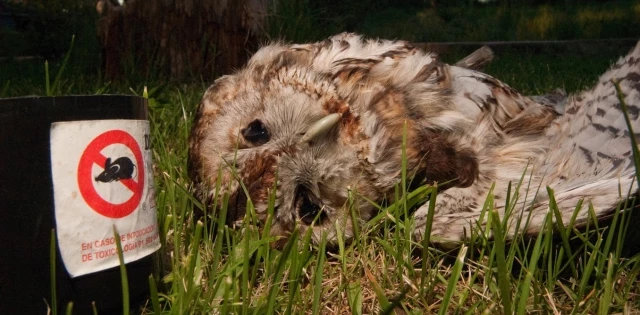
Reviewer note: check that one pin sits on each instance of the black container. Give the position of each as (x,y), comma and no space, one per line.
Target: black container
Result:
(27,209)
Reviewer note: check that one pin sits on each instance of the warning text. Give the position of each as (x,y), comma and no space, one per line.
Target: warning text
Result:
(103,248)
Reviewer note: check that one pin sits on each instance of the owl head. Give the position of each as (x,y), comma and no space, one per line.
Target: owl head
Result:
(320,123)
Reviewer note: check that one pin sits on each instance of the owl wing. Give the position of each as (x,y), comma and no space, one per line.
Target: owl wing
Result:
(480,96)
(364,66)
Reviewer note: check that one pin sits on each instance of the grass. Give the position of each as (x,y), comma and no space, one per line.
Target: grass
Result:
(210,268)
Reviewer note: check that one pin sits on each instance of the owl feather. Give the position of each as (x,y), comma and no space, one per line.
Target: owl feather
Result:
(317,123)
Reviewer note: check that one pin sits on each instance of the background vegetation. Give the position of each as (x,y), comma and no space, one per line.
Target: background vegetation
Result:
(573,271)
(458,20)
(42,29)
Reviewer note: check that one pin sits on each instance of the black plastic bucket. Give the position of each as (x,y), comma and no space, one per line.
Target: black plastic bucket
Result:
(28,212)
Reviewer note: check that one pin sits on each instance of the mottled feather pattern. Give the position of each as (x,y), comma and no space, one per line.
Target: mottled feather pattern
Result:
(584,155)
(465,130)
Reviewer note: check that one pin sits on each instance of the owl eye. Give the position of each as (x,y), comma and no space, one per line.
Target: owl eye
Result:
(256,133)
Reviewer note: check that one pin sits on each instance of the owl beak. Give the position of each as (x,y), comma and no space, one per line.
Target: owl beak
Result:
(321,127)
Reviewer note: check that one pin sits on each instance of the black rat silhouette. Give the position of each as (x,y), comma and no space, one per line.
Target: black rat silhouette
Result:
(121,168)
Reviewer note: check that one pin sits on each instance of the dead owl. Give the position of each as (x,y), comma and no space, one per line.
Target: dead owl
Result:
(319,121)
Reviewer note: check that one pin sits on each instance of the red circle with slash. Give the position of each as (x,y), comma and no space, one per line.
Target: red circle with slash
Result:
(92,155)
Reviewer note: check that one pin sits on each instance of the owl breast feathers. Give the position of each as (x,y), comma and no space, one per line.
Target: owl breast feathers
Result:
(318,122)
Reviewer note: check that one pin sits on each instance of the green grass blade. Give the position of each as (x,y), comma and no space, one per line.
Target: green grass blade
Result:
(613,228)
(123,274)
(418,196)
(69,308)
(453,281)
(382,298)
(355,215)
(427,238)
(604,303)
(487,209)
(576,211)
(244,282)
(194,255)
(298,262)
(4,92)
(354,297)
(562,230)
(507,200)
(52,270)
(55,87)
(504,282)
(625,222)
(277,276)
(587,271)
(318,276)
(530,271)
(153,291)
(47,86)
(634,272)
(217,243)
(403,169)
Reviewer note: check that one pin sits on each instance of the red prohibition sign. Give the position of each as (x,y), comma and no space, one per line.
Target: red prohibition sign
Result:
(92,155)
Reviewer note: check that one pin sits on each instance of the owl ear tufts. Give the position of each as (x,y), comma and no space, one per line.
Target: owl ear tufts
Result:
(321,127)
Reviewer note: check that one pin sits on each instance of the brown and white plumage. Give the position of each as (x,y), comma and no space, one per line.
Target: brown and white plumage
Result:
(464,128)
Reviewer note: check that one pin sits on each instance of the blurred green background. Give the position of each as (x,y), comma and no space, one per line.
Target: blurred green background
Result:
(32,31)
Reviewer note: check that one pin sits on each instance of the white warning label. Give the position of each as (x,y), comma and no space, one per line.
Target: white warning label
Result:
(102,178)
